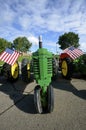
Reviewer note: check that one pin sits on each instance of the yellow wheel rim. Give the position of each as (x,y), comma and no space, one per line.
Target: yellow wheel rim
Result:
(15,70)
(28,69)
(64,68)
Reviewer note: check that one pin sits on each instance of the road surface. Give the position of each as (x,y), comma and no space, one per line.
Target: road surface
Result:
(17,111)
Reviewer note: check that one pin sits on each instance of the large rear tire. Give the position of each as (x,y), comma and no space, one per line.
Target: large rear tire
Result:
(11,73)
(25,70)
(66,68)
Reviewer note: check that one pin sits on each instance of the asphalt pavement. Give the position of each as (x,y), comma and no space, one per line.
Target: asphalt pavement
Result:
(17,111)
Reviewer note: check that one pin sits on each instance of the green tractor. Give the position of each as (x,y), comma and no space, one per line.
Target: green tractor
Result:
(69,66)
(43,72)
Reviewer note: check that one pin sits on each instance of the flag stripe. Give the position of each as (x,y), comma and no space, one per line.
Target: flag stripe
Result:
(6,55)
(9,56)
(73,52)
(3,54)
(9,61)
(14,58)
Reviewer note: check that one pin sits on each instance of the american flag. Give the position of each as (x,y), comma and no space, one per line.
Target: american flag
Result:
(73,52)
(9,56)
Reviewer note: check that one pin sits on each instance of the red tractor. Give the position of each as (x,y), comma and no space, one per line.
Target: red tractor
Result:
(71,61)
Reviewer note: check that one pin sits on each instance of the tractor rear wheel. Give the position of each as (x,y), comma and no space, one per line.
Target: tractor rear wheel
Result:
(66,68)
(25,70)
(11,73)
(37,99)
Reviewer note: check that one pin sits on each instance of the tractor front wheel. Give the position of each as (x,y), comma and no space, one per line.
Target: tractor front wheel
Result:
(50,100)
(44,103)
(37,99)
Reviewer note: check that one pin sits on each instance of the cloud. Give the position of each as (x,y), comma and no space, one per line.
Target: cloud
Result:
(33,40)
(83,46)
(31,18)
(46,14)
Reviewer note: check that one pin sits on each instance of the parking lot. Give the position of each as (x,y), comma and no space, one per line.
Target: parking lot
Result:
(17,111)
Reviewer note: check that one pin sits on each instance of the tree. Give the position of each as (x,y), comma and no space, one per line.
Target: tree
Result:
(22,44)
(68,39)
(4,44)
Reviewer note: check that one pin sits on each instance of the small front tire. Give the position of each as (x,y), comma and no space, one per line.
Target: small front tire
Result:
(37,99)
(50,95)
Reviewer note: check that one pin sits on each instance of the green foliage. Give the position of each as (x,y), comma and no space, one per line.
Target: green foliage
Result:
(22,57)
(4,44)
(1,63)
(84,58)
(22,44)
(68,39)
(80,64)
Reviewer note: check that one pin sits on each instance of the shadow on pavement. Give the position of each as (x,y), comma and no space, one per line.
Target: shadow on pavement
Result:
(24,102)
(66,85)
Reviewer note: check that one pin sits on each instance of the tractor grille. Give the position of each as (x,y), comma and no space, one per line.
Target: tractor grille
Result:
(36,66)
(49,65)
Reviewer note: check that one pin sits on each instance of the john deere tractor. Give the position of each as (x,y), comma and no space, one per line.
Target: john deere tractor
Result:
(68,66)
(43,72)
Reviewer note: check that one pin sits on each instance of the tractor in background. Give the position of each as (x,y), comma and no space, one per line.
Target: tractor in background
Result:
(10,72)
(69,66)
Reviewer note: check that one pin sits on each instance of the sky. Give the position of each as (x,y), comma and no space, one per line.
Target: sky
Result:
(48,18)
